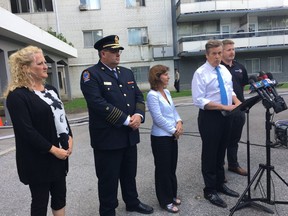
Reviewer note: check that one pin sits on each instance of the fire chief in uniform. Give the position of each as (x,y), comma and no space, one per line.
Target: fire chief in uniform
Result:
(116,109)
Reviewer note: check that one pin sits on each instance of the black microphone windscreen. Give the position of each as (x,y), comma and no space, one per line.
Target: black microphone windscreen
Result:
(252,78)
(261,73)
(269,75)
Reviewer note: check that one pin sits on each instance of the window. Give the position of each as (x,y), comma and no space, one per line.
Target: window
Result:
(30,6)
(272,23)
(89,4)
(275,64)
(137,36)
(140,74)
(206,27)
(252,65)
(42,5)
(225,29)
(252,27)
(135,3)
(90,37)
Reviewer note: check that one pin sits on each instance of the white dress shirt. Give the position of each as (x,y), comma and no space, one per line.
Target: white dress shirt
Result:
(164,114)
(205,86)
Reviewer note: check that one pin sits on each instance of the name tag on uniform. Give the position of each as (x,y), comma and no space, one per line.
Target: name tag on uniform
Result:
(130,82)
(107,83)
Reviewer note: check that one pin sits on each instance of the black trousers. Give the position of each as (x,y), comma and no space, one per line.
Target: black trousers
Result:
(214,129)
(177,85)
(165,152)
(112,166)
(238,121)
(40,196)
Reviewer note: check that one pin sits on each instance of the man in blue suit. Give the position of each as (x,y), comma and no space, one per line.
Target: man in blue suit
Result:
(116,109)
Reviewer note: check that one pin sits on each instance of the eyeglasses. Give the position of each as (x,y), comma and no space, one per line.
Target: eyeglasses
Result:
(114,51)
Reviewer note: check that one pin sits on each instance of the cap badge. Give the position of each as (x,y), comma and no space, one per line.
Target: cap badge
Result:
(116,39)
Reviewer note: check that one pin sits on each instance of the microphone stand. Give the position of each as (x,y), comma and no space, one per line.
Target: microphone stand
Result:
(268,167)
(248,201)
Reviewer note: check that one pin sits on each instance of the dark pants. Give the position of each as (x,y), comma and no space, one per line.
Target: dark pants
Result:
(177,85)
(40,196)
(214,130)
(238,121)
(165,152)
(112,166)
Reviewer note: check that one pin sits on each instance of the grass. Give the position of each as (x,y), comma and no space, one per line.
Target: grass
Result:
(281,86)
(78,105)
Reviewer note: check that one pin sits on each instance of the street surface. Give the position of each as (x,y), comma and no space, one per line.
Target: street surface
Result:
(82,197)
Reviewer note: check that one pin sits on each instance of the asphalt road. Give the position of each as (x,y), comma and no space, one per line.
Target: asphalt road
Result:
(82,197)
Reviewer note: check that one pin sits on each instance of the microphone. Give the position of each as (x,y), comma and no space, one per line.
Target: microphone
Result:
(262,75)
(270,86)
(259,87)
(253,78)
(266,90)
(254,87)
(274,82)
(271,83)
(269,76)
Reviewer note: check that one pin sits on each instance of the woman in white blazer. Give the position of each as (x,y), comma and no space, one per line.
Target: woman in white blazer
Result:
(166,129)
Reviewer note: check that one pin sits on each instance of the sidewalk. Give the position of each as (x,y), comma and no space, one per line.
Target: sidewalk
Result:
(82,194)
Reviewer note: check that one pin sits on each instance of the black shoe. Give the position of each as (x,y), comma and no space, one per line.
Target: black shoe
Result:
(215,199)
(141,208)
(225,190)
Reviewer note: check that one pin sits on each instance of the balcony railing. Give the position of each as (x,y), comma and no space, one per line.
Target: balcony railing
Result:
(190,6)
(196,43)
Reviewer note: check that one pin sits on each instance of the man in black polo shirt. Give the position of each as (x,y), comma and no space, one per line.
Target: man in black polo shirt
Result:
(240,79)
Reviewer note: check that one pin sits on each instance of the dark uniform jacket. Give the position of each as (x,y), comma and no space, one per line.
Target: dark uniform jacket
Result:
(35,133)
(110,101)
(239,78)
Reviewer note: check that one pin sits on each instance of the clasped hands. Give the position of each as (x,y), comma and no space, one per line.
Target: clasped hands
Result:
(179,130)
(60,153)
(135,121)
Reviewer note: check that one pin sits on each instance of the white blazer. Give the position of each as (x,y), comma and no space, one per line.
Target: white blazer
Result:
(164,115)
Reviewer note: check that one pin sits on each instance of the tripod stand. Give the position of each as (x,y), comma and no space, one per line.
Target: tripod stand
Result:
(248,201)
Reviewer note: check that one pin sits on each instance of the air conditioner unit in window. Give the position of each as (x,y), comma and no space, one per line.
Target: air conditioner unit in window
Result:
(144,40)
(83,7)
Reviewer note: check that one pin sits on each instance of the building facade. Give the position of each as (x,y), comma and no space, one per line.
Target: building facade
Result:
(143,26)
(170,32)
(259,29)
(16,33)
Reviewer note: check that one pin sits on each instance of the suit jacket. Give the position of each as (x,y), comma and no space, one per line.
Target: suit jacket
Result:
(110,101)
(35,133)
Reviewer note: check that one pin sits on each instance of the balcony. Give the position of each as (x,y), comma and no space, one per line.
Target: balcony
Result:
(244,41)
(188,10)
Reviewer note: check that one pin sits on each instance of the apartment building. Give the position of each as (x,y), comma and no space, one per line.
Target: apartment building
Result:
(143,26)
(16,33)
(259,29)
(170,32)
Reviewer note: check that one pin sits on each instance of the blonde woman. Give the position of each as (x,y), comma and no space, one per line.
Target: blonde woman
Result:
(42,133)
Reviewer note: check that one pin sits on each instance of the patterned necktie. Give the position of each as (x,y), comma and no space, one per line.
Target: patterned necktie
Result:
(115,73)
(223,93)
